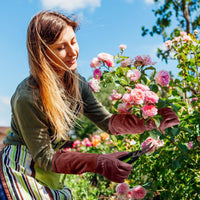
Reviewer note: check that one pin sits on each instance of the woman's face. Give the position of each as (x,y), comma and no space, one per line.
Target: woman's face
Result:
(66,49)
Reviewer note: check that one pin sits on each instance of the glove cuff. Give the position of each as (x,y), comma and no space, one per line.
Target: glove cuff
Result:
(74,162)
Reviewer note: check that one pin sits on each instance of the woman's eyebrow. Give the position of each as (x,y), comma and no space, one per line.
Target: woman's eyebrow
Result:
(62,42)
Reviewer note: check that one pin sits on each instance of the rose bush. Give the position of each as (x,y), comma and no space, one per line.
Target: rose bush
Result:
(172,171)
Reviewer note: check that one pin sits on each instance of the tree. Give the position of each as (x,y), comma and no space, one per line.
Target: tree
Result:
(184,12)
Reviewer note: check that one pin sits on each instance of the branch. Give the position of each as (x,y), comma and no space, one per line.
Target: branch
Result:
(186,15)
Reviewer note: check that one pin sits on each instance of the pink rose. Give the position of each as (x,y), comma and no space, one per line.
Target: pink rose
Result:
(151,97)
(142,87)
(110,62)
(127,62)
(122,47)
(162,77)
(149,111)
(143,60)
(122,188)
(76,143)
(127,98)
(94,85)
(123,107)
(157,143)
(107,58)
(86,142)
(134,74)
(147,141)
(138,192)
(190,145)
(115,96)
(147,60)
(97,74)
(138,96)
(95,63)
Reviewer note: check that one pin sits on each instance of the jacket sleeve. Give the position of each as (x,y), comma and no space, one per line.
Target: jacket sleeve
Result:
(31,123)
(93,109)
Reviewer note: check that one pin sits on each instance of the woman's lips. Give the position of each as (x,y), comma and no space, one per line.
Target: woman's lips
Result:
(71,62)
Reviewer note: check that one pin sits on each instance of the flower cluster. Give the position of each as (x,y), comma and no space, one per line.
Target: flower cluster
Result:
(136,97)
(179,40)
(140,96)
(86,142)
(124,192)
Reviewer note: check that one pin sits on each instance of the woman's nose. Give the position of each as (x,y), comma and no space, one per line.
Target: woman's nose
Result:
(71,51)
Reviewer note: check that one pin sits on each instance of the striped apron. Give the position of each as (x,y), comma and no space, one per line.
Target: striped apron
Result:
(18,177)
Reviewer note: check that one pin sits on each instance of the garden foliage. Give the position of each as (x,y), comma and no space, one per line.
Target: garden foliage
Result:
(172,169)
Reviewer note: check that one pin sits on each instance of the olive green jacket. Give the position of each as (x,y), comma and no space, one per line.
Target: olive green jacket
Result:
(30,125)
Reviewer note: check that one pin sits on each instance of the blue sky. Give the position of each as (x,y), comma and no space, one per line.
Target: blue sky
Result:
(105,24)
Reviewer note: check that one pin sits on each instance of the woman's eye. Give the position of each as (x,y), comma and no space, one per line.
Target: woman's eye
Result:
(60,48)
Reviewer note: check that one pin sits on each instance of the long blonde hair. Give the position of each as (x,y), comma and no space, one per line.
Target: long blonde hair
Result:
(59,102)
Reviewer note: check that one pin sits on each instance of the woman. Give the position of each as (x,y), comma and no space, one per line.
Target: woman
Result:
(44,108)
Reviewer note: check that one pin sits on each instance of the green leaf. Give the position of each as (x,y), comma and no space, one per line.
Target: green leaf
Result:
(176,164)
(114,139)
(157,121)
(183,147)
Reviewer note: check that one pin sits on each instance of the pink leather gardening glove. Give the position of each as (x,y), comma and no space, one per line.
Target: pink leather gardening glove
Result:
(107,165)
(130,124)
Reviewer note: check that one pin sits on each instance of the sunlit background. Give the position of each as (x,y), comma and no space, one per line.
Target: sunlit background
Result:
(105,24)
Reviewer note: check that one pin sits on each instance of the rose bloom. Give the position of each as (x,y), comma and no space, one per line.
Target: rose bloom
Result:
(190,145)
(127,98)
(138,96)
(115,96)
(76,143)
(162,77)
(97,74)
(104,136)
(134,74)
(127,62)
(96,139)
(151,97)
(122,47)
(156,144)
(86,142)
(138,192)
(144,60)
(123,107)
(149,111)
(122,188)
(95,62)
(107,58)
(94,85)
(142,87)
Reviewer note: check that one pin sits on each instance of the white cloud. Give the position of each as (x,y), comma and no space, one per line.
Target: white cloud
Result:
(5,100)
(71,5)
(149,1)
(5,111)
